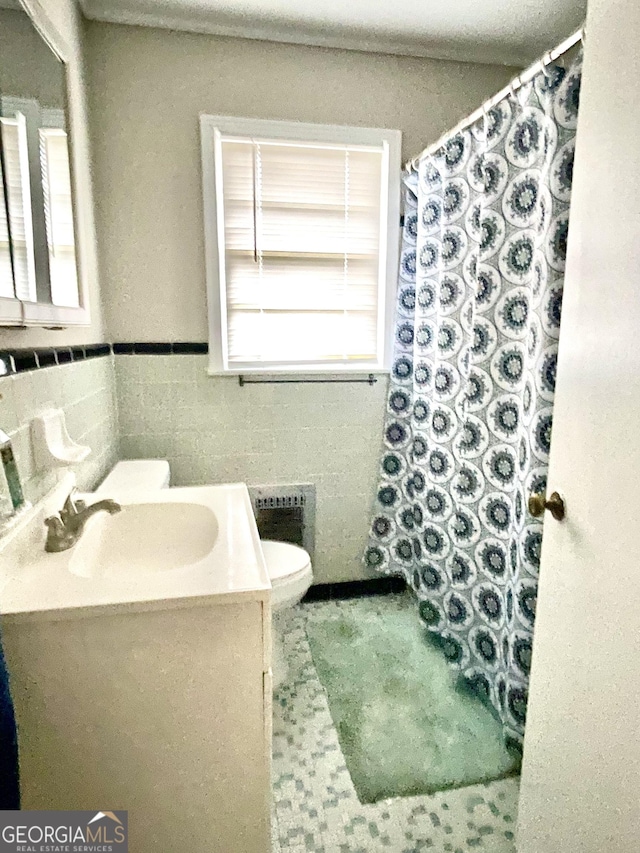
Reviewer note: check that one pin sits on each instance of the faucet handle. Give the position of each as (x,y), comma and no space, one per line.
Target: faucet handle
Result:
(58,538)
(70,507)
(54,522)
(55,527)
(74,504)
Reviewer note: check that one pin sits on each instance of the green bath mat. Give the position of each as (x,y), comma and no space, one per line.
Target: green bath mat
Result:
(404,726)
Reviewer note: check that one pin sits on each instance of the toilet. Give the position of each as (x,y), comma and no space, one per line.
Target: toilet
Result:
(288,566)
(135,474)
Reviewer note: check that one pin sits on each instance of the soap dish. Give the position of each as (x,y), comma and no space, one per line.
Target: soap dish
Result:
(52,445)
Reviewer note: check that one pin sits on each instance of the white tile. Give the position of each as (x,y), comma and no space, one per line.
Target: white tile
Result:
(325,434)
(302,722)
(84,390)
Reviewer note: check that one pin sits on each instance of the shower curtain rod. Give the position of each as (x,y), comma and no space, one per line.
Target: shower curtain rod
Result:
(519,80)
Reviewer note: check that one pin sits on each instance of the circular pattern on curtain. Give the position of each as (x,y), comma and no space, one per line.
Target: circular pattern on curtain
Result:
(470,408)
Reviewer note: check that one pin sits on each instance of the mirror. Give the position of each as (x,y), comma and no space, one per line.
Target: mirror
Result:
(37,240)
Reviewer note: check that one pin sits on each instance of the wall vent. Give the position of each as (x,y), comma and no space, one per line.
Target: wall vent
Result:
(279,501)
(286,513)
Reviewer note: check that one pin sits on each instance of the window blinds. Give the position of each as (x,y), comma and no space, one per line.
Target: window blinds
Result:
(58,207)
(302,265)
(6,272)
(16,162)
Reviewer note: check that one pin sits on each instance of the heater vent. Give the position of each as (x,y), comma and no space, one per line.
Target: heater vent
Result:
(286,513)
(274,502)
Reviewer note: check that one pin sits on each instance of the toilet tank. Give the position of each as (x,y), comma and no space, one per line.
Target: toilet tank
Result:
(134,474)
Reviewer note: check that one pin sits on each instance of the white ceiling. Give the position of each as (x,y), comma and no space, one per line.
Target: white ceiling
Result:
(513,32)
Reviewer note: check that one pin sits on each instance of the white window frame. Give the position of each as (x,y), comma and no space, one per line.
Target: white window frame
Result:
(15,312)
(211,130)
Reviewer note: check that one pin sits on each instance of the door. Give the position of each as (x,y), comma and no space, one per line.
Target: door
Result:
(581,772)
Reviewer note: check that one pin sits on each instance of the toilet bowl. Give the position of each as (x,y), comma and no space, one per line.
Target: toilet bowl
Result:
(289,566)
(289,569)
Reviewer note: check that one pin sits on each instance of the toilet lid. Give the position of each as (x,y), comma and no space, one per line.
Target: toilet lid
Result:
(284,559)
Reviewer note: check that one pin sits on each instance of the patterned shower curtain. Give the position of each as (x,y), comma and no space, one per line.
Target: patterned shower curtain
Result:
(468,425)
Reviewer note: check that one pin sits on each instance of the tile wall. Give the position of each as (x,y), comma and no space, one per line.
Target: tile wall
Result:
(84,388)
(212,430)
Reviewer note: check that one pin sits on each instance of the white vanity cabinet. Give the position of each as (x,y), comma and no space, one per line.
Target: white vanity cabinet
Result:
(165,713)
(160,707)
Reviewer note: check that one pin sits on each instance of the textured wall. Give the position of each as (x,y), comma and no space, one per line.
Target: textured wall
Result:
(213,431)
(147,88)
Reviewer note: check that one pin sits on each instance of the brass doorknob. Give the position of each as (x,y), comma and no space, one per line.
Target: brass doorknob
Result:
(538,503)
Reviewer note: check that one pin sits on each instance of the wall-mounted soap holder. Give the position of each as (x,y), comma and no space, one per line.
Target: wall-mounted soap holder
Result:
(52,445)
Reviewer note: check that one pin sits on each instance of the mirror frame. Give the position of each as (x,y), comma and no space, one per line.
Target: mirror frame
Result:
(15,312)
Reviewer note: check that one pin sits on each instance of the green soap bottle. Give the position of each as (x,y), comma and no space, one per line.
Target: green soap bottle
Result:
(11,471)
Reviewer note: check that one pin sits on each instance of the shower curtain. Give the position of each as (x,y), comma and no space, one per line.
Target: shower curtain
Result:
(469,412)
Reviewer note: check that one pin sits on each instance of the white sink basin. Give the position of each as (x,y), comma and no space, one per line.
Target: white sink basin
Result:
(144,538)
(166,548)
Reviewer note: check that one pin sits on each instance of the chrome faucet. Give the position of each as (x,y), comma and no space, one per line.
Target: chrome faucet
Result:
(64,529)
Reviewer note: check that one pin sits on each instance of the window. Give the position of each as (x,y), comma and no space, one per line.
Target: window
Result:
(58,211)
(18,195)
(38,238)
(41,278)
(302,239)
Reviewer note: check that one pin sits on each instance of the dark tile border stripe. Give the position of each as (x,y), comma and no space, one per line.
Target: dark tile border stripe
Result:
(190,348)
(161,348)
(149,348)
(78,353)
(46,358)
(22,360)
(355,589)
(97,350)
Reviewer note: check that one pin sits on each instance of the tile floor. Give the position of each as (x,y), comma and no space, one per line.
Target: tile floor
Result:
(316,809)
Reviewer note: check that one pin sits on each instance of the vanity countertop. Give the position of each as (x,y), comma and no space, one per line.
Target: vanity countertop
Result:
(168,548)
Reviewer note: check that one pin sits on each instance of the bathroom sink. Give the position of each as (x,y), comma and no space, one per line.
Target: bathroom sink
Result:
(166,548)
(145,538)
